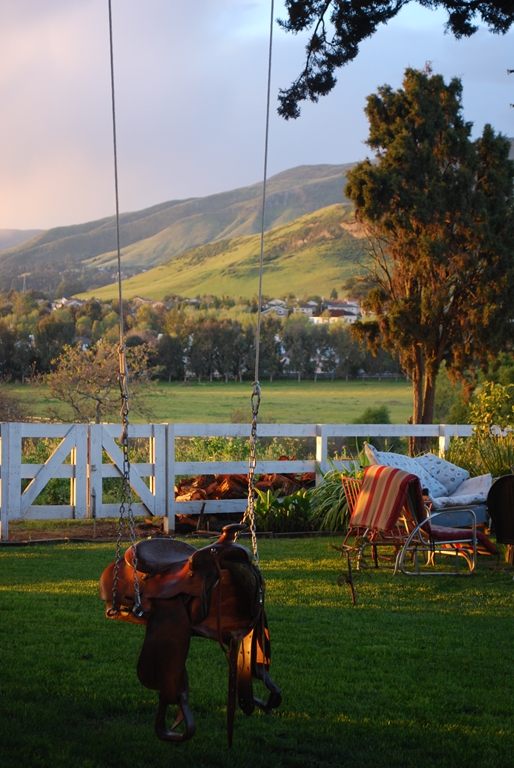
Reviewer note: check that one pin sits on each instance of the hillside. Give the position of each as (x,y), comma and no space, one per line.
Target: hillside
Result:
(152,236)
(310,255)
(10,238)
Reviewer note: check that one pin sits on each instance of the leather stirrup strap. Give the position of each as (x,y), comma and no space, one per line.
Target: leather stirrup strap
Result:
(244,675)
(218,618)
(232,688)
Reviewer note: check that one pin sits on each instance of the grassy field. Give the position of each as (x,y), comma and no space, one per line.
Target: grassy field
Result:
(419,674)
(285,402)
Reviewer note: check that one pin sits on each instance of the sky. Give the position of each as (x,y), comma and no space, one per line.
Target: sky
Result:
(190,80)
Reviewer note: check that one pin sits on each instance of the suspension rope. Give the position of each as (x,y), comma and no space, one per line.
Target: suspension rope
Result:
(126,490)
(249,515)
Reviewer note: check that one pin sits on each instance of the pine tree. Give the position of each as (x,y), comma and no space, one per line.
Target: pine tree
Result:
(438,211)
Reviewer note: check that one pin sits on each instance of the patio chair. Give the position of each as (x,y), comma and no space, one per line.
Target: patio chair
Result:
(500,505)
(389,510)
(448,487)
(382,513)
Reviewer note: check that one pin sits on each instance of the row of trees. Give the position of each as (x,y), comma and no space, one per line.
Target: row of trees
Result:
(211,348)
(182,341)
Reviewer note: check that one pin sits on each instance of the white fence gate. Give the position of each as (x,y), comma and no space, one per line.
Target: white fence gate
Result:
(88,445)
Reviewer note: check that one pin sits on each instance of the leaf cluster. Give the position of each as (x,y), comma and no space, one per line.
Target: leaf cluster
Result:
(338,27)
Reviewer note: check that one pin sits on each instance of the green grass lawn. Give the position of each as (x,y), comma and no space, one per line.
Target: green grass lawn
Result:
(285,401)
(419,674)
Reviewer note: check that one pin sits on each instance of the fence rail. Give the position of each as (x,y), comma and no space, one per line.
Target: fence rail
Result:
(86,447)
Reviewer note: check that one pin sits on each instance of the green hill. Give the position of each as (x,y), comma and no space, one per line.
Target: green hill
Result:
(310,255)
(156,234)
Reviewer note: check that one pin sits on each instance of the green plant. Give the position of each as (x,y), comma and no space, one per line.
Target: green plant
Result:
(491,447)
(283,515)
(493,407)
(329,508)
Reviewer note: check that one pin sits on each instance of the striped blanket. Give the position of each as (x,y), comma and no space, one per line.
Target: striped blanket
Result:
(385,492)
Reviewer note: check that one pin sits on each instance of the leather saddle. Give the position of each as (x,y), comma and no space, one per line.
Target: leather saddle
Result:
(214,592)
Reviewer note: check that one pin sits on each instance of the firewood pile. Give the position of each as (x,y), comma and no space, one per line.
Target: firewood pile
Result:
(206,487)
(219,487)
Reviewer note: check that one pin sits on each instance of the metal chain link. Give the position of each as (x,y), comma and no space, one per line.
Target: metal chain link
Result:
(126,492)
(249,515)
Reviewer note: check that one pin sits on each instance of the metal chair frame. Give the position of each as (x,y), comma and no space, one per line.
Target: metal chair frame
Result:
(411,540)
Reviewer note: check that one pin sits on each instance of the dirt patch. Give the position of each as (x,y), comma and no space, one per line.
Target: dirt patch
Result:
(107,530)
(104,532)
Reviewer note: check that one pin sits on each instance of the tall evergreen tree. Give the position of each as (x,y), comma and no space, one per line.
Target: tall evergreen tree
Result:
(438,210)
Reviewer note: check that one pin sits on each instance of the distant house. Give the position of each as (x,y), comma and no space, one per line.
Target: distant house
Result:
(277,303)
(308,308)
(83,341)
(336,316)
(65,303)
(274,309)
(276,306)
(349,305)
(139,301)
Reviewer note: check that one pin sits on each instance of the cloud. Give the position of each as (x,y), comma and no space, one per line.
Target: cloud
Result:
(190,97)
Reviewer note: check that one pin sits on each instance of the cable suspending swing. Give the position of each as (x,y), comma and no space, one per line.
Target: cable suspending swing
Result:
(216,592)
(126,494)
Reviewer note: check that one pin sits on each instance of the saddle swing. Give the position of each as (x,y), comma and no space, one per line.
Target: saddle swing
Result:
(215,592)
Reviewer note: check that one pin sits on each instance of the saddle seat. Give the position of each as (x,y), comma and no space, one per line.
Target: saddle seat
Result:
(215,592)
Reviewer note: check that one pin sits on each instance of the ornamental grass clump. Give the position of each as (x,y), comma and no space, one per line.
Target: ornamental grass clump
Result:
(329,508)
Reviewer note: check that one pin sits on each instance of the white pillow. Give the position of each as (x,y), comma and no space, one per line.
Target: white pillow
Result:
(445,472)
(474,486)
(398,460)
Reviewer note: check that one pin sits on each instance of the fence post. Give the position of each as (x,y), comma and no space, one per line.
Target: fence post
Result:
(321,451)
(14,471)
(169,520)
(4,485)
(95,468)
(158,459)
(444,440)
(79,484)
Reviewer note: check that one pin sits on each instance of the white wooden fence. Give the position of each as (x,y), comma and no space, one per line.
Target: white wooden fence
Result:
(85,446)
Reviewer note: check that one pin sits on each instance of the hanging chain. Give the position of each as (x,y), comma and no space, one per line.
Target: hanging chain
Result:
(126,490)
(249,515)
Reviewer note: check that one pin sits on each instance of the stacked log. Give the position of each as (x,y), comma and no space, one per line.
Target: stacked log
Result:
(206,487)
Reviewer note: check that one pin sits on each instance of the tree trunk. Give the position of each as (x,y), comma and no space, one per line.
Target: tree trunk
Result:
(271,378)
(415,446)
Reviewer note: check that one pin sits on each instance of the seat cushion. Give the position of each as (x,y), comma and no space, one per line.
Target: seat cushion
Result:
(399,461)
(445,472)
(440,534)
